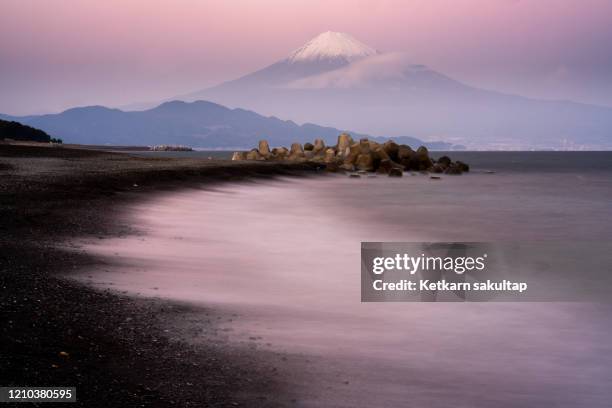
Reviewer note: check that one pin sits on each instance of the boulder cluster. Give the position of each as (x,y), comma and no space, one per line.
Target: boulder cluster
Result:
(364,155)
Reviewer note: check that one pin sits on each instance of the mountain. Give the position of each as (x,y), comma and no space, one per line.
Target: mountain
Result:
(197,124)
(338,81)
(324,53)
(331,46)
(17,131)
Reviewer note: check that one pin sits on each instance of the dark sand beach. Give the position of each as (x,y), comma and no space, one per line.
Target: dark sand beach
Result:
(117,350)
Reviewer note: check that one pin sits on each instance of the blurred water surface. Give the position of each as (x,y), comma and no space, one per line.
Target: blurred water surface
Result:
(284,254)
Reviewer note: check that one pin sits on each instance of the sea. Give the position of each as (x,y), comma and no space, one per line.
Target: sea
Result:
(283,257)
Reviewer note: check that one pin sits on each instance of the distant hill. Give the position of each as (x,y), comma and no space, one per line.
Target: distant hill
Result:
(197,124)
(17,131)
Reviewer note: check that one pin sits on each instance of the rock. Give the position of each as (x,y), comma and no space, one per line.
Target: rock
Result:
(332,167)
(374,145)
(404,152)
(420,160)
(385,166)
(435,178)
(364,156)
(253,155)
(264,148)
(351,154)
(423,151)
(330,156)
(347,167)
(453,170)
(355,149)
(239,156)
(382,171)
(319,145)
(391,148)
(344,141)
(395,172)
(407,157)
(319,153)
(380,153)
(364,146)
(316,158)
(296,149)
(365,162)
(463,166)
(299,159)
(280,153)
(350,160)
(354,176)
(296,152)
(444,161)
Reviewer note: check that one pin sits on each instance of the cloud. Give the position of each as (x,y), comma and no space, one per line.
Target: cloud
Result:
(381,67)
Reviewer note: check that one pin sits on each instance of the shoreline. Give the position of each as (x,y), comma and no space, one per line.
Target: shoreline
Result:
(60,332)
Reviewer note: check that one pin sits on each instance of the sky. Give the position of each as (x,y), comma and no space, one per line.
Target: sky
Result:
(57,54)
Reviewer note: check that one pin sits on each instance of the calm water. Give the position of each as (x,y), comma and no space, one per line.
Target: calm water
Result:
(284,256)
(215,154)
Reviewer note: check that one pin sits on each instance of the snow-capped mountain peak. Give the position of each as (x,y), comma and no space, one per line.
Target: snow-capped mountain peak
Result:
(331,46)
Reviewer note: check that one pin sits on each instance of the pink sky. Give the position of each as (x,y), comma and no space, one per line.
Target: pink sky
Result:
(56,54)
